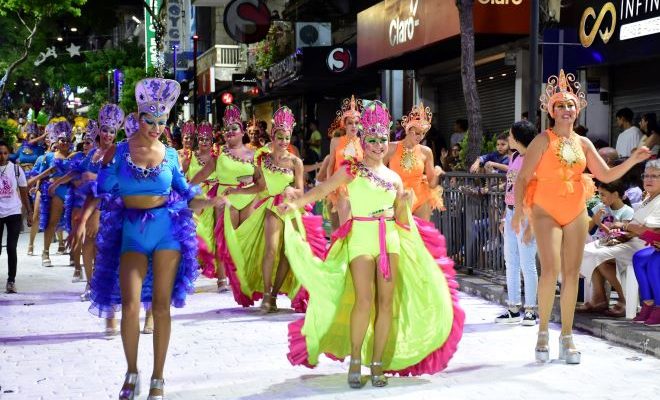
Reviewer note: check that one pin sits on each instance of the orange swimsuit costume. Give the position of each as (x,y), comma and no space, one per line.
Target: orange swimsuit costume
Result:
(409,164)
(560,186)
(345,150)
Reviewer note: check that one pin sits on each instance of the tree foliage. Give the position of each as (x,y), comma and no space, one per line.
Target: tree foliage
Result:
(29,15)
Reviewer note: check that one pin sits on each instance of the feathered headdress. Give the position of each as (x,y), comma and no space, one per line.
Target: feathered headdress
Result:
(111,116)
(350,108)
(420,117)
(188,128)
(50,130)
(283,119)
(91,130)
(156,96)
(131,124)
(232,116)
(32,128)
(205,130)
(375,119)
(562,88)
(63,130)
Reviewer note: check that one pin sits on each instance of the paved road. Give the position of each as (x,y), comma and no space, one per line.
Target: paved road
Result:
(52,348)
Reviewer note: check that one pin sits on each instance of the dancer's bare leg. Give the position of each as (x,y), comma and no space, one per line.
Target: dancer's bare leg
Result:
(384,296)
(56,209)
(363,272)
(34,229)
(273,233)
(165,266)
(132,270)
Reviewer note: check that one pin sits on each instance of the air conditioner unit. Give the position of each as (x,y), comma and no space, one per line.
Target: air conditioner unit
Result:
(313,34)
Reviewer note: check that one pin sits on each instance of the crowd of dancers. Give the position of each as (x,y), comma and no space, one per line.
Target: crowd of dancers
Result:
(146,220)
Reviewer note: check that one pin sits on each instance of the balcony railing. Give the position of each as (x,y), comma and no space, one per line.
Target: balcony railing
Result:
(221,56)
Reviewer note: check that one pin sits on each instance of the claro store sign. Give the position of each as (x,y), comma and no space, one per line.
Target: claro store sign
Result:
(394,27)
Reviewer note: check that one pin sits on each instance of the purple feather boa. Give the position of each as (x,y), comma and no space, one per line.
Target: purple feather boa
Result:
(105,292)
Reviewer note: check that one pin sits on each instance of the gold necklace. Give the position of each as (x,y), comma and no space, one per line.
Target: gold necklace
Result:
(408,159)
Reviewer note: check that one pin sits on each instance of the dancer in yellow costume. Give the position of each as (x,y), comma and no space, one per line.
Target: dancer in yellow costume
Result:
(193,162)
(233,167)
(418,322)
(255,247)
(414,163)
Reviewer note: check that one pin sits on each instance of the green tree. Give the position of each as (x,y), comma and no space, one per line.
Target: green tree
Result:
(30,16)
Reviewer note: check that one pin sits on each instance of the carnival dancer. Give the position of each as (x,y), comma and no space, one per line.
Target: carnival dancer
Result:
(232,167)
(553,188)
(148,223)
(30,149)
(257,137)
(188,131)
(52,207)
(205,221)
(418,321)
(346,147)
(75,197)
(414,163)
(35,192)
(250,252)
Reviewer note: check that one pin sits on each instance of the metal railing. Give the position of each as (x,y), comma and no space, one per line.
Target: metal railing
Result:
(219,56)
(474,206)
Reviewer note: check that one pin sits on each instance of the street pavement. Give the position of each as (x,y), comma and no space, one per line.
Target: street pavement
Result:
(52,348)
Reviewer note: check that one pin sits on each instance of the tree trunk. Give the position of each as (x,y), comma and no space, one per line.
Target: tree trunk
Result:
(472,104)
(27,44)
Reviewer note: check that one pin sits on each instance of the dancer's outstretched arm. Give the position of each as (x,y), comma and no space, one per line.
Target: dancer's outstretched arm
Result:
(341,177)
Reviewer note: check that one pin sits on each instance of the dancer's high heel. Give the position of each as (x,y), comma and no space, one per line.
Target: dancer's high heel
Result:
(542,350)
(30,251)
(355,378)
(129,393)
(266,304)
(45,260)
(567,353)
(379,380)
(156,384)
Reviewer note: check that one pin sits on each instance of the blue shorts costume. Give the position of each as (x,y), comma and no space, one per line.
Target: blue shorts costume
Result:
(144,231)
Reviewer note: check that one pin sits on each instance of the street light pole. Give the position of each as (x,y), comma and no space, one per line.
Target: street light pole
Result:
(174,47)
(533,62)
(195,39)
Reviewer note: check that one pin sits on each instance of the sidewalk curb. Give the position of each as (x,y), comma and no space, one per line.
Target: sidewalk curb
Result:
(617,330)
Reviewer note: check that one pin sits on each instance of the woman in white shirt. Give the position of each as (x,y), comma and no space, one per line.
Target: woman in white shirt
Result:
(13,197)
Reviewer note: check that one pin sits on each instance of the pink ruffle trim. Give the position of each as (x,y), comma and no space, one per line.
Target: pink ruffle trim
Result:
(438,360)
(206,259)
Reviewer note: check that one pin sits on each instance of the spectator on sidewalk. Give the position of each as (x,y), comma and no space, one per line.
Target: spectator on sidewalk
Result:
(497,161)
(623,242)
(629,139)
(13,198)
(609,154)
(460,130)
(451,160)
(613,207)
(315,138)
(651,139)
(519,248)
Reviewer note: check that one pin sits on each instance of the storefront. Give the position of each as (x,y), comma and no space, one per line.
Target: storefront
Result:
(312,82)
(424,36)
(617,51)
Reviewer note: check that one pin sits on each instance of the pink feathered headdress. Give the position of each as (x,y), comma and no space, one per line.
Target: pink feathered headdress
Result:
(283,119)
(232,116)
(188,128)
(205,130)
(375,119)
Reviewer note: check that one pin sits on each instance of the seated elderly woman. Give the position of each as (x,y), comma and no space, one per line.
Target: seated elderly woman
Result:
(647,261)
(622,243)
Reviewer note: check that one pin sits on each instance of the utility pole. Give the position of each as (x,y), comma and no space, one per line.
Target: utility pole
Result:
(533,62)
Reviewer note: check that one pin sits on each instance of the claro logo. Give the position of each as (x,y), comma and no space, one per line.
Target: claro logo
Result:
(501,2)
(587,39)
(403,30)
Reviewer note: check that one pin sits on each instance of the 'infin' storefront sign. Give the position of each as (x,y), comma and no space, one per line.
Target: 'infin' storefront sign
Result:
(617,30)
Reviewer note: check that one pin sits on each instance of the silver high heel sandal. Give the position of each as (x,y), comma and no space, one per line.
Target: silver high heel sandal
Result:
(378,380)
(355,378)
(542,350)
(566,353)
(156,384)
(132,378)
